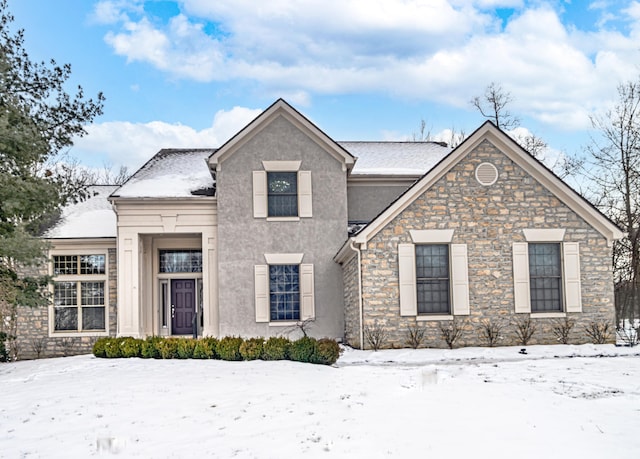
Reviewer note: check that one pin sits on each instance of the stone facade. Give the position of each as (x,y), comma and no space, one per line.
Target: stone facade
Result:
(351,303)
(489,219)
(33,338)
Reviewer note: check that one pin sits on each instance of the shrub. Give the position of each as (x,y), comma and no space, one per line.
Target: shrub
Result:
(130,347)
(303,349)
(185,348)
(150,347)
(276,348)
(525,328)
(112,348)
(229,348)
(168,348)
(451,332)
(561,329)
(327,352)
(415,335)
(205,348)
(99,347)
(491,332)
(376,335)
(251,349)
(598,332)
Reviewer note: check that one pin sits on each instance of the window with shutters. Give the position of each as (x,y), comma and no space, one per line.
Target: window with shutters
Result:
(432,279)
(284,289)
(545,277)
(282,192)
(79,293)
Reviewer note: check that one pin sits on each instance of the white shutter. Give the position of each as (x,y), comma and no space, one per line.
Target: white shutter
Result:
(261,281)
(307,303)
(407,279)
(572,286)
(521,289)
(305,203)
(460,279)
(259,194)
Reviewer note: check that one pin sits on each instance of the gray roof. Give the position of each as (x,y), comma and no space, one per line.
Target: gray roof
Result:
(171,173)
(92,218)
(395,158)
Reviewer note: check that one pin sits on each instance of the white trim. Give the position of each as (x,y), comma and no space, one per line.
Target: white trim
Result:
(426,318)
(544,234)
(283,219)
(431,236)
(283,258)
(548,315)
(459,284)
(513,151)
(281,166)
(276,323)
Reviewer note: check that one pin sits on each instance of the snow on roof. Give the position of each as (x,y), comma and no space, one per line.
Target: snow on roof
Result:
(92,218)
(171,173)
(395,158)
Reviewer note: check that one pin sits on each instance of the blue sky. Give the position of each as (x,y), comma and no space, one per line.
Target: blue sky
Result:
(191,73)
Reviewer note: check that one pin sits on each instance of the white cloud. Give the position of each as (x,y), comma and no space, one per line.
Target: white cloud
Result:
(437,50)
(131,144)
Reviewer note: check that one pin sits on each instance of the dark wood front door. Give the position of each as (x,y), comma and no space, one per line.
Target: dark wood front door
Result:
(183,306)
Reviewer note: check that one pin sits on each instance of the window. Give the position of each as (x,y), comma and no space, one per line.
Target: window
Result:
(284,289)
(180,261)
(284,292)
(545,277)
(432,279)
(79,293)
(282,191)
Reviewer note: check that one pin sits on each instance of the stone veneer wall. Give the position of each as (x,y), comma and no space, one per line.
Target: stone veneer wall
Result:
(351,304)
(33,326)
(487,219)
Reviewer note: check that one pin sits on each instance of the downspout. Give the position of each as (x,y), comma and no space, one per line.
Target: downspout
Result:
(360,308)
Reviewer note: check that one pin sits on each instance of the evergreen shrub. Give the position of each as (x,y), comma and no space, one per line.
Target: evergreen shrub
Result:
(229,348)
(303,349)
(99,347)
(276,348)
(327,352)
(185,348)
(168,348)
(150,348)
(130,347)
(251,349)
(205,348)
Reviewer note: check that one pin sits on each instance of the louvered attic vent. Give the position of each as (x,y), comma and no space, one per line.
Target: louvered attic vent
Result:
(486,174)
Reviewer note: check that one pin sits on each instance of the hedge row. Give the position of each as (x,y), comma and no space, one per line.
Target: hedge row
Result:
(306,349)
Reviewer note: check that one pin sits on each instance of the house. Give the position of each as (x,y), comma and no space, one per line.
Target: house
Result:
(282,224)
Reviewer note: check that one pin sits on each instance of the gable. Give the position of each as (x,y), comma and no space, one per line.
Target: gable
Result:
(505,145)
(280,110)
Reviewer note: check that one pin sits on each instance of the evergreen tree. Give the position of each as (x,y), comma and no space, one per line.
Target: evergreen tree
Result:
(38,120)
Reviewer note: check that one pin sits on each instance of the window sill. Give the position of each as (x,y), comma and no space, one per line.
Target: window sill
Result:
(284,324)
(283,219)
(75,334)
(434,317)
(548,315)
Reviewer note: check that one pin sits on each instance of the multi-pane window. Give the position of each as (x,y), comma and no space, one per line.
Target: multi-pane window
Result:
(79,292)
(181,261)
(432,279)
(282,193)
(78,264)
(545,277)
(284,292)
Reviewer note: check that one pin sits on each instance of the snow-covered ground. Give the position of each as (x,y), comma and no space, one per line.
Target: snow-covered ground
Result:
(552,402)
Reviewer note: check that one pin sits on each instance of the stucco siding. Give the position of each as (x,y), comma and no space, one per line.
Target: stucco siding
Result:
(244,239)
(367,200)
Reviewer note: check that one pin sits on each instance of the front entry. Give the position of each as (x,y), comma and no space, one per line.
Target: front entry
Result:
(183,306)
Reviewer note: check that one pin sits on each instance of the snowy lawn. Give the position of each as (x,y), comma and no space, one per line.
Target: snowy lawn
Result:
(553,402)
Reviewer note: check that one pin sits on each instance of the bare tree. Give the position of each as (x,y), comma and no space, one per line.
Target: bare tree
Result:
(614,168)
(423,134)
(493,106)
